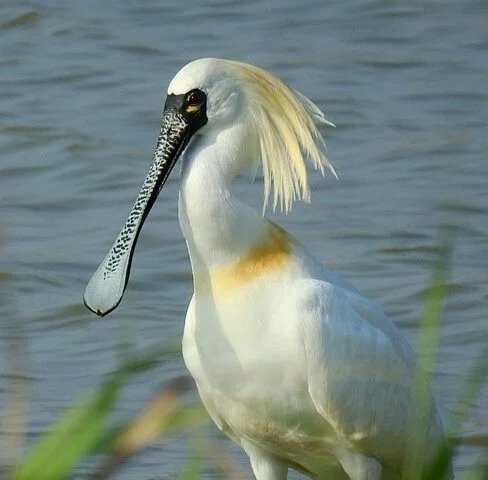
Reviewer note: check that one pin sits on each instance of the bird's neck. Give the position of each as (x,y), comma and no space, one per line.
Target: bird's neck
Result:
(223,233)
(218,227)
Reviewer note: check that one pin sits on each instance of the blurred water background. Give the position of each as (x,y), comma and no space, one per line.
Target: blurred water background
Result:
(81,89)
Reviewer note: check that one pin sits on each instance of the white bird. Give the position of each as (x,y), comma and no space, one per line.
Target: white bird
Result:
(291,362)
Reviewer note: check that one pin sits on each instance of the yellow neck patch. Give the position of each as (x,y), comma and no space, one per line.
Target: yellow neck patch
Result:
(266,257)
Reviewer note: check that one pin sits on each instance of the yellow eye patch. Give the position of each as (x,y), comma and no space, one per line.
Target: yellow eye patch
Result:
(193,108)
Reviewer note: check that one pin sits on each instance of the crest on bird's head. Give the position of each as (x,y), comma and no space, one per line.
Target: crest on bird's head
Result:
(286,122)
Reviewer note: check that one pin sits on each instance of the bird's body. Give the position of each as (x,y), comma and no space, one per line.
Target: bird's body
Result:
(291,361)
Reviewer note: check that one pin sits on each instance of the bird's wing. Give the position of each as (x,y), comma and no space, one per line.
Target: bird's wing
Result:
(360,369)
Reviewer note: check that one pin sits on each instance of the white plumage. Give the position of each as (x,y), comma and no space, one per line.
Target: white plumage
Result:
(291,361)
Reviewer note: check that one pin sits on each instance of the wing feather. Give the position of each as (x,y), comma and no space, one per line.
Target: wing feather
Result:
(360,371)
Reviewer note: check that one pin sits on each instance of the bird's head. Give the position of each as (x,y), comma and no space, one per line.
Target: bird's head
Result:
(281,121)
(206,98)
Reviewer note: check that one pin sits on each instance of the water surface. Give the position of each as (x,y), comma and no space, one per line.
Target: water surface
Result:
(82,89)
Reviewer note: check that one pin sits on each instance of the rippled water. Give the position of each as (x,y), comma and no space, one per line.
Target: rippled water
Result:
(81,89)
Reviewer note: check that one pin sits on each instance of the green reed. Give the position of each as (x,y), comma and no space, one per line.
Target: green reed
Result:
(85,428)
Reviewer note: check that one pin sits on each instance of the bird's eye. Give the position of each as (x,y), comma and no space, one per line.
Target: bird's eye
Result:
(194,99)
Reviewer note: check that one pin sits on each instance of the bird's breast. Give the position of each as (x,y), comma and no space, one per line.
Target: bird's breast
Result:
(268,257)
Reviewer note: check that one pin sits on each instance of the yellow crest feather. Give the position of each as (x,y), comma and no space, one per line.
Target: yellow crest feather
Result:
(286,124)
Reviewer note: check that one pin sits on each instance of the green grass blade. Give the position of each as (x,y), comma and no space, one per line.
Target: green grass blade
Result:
(81,428)
(71,438)
(428,341)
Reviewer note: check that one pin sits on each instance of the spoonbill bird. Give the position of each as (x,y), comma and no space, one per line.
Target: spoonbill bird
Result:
(291,362)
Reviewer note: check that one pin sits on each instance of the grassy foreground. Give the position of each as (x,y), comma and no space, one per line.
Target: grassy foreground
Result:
(86,429)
